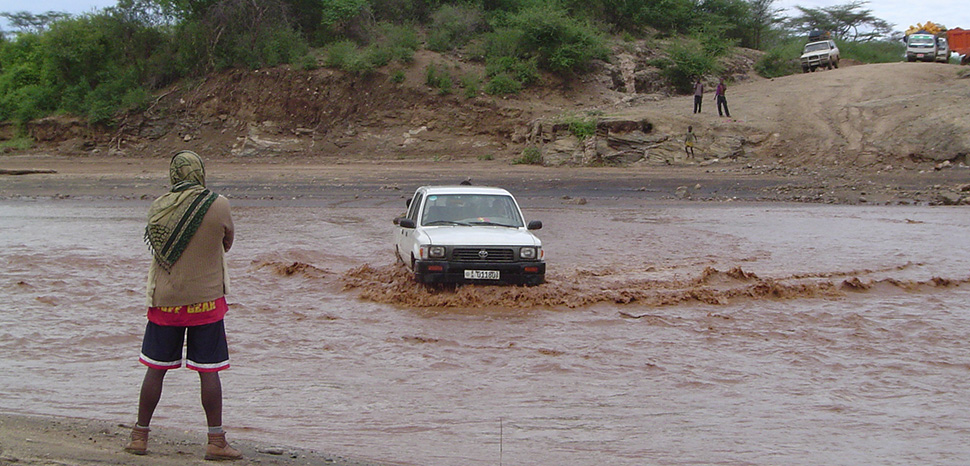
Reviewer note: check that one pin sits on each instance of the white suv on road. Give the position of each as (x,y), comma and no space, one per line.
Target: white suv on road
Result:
(468,234)
(818,54)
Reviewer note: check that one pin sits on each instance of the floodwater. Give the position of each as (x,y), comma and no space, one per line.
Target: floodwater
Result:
(668,334)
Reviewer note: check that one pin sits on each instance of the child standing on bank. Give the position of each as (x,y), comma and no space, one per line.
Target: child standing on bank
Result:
(689,140)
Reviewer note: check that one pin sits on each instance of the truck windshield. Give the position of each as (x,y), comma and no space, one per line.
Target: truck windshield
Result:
(817,47)
(928,42)
(471,209)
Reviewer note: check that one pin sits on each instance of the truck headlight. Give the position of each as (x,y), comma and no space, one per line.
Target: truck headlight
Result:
(437,252)
(528,253)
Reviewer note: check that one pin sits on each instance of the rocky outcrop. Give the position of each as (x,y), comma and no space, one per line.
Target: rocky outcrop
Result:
(619,142)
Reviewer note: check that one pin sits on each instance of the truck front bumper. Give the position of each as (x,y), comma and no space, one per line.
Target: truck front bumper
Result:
(519,273)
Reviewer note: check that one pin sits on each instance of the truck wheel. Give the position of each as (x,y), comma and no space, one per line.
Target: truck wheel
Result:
(836,62)
(804,69)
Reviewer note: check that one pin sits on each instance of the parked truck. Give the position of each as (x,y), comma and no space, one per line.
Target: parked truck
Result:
(923,42)
(921,46)
(959,42)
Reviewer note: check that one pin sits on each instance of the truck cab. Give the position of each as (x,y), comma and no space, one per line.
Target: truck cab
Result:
(921,46)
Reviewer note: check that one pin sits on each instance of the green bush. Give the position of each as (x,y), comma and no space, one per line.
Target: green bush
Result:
(452,26)
(398,76)
(30,102)
(502,84)
(280,46)
(688,61)
(308,62)
(560,43)
(342,54)
(18,143)
(503,42)
(581,126)
(777,62)
(345,19)
(438,78)
(471,84)
(782,59)
(524,71)
(530,156)
(392,44)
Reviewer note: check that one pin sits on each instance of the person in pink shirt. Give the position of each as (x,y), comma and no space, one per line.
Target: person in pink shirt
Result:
(189,231)
(721,100)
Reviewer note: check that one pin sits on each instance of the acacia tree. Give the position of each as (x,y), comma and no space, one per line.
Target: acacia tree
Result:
(848,22)
(764,17)
(28,22)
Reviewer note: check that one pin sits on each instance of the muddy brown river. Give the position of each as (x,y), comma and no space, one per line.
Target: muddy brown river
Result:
(667,334)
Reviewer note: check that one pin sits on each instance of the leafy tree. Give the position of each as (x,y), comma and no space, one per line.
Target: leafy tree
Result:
(247,33)
(29,22)
(687,62)
(453,26)
(848,22)
(185,9)
(724,18)
(560,43)
(346,19)
(764,17)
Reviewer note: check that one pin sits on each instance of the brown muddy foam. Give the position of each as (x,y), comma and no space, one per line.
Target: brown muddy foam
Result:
(292,268)
(392,284)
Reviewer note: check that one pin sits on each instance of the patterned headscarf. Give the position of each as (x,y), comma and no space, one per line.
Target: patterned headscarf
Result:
(174,217)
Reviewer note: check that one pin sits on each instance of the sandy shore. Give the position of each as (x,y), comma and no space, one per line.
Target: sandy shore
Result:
(34,440)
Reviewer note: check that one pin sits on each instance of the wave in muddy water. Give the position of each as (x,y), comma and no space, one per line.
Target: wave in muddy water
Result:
(291,268)
(392,284)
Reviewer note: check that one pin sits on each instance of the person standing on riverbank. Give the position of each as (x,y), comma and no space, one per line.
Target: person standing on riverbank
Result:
(689,140)
(698,95)
(721,99)
(189,231)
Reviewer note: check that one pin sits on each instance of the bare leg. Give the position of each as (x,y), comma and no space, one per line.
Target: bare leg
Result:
(151,392)
(211,397)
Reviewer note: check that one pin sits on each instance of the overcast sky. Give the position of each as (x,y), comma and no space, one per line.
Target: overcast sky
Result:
(901,13)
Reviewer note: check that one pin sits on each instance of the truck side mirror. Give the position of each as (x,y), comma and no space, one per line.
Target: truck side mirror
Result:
(535,225)
(405,223)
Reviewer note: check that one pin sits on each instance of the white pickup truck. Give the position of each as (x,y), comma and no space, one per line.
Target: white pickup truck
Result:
(468,234)
(818,54)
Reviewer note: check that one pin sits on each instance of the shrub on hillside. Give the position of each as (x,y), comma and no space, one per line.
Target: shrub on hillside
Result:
(347,56)
(777,62)
(687,62)
(392,44)
(438,77)
(530,156)
(452,26)
(344,19)
(502,84)
(560,43)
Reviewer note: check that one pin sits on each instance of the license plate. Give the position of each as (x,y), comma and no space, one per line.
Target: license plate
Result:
(919,55)
(481,275)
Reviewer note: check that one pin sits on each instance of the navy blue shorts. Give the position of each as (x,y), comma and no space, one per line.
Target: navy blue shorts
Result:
(206,347)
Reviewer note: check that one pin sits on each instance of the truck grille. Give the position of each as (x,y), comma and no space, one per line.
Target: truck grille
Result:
(483,255)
